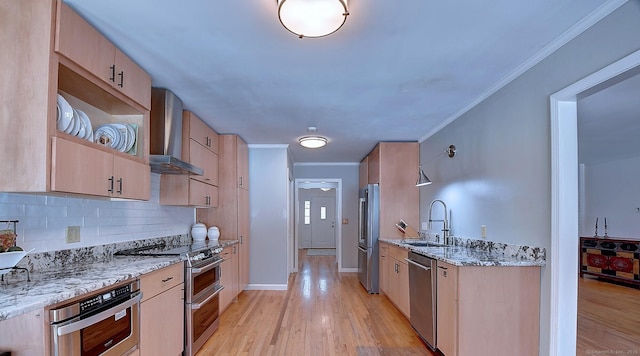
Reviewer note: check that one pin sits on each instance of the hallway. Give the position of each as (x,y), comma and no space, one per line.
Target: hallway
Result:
(323,313)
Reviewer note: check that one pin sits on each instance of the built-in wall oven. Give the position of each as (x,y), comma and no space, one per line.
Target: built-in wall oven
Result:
(202,298)
(104,323)
(202,287)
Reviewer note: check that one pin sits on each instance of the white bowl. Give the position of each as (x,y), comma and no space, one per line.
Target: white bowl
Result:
(10,259)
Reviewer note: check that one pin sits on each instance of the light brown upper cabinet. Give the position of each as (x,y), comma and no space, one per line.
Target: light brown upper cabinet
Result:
(393,165)
(48,58)
(198,141)
(84,45)
(200,147)
(364,172)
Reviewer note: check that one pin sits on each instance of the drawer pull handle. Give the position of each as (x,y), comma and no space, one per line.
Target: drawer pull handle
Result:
(167,279)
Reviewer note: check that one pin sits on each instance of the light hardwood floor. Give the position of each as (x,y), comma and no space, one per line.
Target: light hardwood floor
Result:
(608,318)
(323,313)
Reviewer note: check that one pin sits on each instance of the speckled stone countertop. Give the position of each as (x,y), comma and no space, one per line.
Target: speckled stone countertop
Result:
(58,279)
(479,253)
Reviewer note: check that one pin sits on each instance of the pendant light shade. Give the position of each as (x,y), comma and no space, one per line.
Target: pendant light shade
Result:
(312,18)
(422,178)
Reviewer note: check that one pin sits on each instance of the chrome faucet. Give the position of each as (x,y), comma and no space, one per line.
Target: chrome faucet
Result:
(444,221)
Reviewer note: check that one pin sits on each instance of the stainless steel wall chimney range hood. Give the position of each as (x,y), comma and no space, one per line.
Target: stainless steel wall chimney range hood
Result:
(165,146)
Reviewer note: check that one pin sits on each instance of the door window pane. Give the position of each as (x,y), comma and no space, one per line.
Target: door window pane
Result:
(307,212)
(323,213)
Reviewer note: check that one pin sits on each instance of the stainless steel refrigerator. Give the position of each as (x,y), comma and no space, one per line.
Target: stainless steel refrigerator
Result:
(368,233)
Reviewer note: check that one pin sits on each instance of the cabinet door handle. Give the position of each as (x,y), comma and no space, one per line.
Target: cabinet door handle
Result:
(240,238)
(234,250)
(121,75)
(113,73)
(120,186)
(241,181)
(110,190)
(167,279)
(208,140)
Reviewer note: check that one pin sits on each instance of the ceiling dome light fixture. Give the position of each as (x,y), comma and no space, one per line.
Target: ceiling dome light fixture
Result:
(312,18)
(313,141)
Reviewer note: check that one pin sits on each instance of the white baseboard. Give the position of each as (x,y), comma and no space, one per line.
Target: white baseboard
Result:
(266,287)
(352,269)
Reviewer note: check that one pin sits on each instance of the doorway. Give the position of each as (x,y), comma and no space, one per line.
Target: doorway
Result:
(565,199)
(317,217)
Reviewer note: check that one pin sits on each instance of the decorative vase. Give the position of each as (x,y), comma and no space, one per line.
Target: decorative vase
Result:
(199,232)
(213,233)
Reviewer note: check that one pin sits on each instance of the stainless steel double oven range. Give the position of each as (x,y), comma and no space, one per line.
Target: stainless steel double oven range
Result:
(202,287)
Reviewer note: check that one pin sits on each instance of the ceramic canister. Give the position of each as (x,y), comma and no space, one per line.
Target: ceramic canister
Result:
(199,232)
(213,233)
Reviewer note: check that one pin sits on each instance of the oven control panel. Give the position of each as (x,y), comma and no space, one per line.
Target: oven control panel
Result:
(97,301)
(206,254)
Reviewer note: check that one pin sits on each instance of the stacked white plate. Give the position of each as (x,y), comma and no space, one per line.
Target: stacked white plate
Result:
(73,121)
(119,136)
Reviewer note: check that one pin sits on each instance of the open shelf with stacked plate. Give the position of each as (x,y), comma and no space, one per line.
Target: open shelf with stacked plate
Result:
(80,108)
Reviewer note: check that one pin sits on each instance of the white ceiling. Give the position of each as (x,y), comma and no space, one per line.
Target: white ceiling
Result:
(397,70)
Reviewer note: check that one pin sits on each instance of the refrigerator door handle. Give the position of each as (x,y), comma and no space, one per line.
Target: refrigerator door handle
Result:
(361,237)
(362,249)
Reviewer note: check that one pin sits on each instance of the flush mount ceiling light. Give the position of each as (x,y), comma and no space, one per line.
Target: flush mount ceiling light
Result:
(312,141)
(312,18)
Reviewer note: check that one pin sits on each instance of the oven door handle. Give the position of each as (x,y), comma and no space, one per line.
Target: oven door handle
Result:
(195,270)
(83,323)
(195,306)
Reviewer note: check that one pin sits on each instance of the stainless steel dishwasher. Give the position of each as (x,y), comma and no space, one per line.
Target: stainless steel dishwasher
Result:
(422,296)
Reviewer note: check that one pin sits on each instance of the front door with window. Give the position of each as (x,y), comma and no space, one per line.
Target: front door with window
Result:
(323,222)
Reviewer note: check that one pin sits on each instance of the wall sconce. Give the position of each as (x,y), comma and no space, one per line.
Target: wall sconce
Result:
(451,151)
(422,178)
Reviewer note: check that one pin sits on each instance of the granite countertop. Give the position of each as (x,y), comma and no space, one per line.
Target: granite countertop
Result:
(62,275)
(18,296)
(479,254)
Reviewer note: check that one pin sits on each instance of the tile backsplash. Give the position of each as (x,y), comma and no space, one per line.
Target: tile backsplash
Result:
(44,219)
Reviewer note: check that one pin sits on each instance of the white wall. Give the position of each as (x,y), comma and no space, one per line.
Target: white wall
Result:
(501,175)
(612,190)
(349,173)
(44,218)
(269,212)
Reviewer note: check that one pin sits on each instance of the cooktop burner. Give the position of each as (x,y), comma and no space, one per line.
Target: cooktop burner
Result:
(162,249)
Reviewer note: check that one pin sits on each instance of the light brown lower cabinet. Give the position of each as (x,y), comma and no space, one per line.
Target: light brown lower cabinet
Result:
(229,276)
(488,310)
(24,335)
(394,275)
(162,312)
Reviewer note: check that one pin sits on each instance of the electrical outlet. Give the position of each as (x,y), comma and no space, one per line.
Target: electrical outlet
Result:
(425,226)
(483,231)
(73,234)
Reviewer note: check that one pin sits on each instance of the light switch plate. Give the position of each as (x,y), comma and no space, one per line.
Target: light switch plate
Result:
(483,231)
(73,234)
